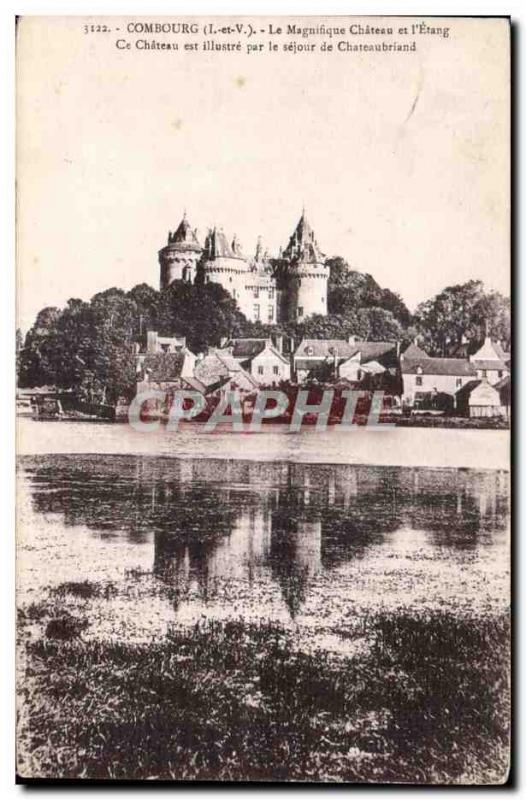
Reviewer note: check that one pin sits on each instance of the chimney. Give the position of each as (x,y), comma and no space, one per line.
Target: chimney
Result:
(279,343)
(223,341)
(352,339)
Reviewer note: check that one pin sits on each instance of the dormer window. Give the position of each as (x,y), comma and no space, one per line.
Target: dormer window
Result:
(309,351)
(419,370)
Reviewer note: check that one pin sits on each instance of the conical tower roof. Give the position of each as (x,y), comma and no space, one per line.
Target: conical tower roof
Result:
(302,244)
(217,245)
(185,237)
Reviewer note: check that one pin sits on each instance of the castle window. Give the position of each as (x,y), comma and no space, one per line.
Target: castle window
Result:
(418,380)
(309,351)
(275,370)
(261,370)
(300,311)
(256,311)
(271,293)
(270,313)
(256,291)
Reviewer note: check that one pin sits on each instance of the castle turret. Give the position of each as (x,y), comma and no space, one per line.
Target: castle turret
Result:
(307,275)
(224,263)
(179,258)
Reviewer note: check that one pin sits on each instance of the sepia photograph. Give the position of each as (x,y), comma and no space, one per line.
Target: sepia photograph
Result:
(263,399)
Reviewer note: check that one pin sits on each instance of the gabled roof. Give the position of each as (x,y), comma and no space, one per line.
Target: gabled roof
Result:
(469,387)
(218,367)
(370,351)
(247,349)
(414,351)
(490,351)
(373,367)
(439,366)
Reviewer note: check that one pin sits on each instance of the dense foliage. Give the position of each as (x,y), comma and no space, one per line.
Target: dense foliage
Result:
(89,346)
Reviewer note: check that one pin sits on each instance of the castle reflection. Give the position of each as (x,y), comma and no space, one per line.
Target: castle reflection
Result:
(214,521)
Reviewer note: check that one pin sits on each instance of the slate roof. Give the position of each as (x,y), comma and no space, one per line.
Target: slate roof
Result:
(467,388)
(439,366)
(218,367)
(325,348)
(328,348)
(244,350)
(247,348)
(370,351)
(218,246)
(488,363)
(302,244)
(414,351)
(184,238)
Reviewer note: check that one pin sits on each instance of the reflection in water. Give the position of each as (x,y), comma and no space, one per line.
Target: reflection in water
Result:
(212,522)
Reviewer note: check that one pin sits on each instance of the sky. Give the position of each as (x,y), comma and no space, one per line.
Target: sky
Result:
(401,160)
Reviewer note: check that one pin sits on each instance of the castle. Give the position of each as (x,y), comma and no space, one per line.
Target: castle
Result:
(266,289)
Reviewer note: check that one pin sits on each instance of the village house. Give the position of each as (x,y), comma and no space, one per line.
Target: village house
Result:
(350,358)
(479,398)
(491,361)
(424,377)
(218,370)
(260,359)
(166,364)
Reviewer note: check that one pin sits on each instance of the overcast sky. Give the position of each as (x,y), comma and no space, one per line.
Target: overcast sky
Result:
(113,146)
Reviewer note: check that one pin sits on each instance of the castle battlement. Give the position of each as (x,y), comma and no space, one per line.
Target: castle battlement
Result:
(287,288)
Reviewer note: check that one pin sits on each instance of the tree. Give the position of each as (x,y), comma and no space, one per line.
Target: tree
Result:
(350,290)
(462,310)
(203,313)
(37,357)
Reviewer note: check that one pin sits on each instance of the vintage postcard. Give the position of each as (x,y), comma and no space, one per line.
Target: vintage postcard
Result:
(263,399)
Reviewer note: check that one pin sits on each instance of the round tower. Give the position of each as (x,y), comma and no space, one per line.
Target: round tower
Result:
(225,264)
(179,258)
(307,276)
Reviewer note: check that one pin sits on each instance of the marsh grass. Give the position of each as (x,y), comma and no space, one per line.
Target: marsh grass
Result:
(428,702)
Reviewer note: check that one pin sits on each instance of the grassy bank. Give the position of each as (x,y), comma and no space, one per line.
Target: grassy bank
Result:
(426,701)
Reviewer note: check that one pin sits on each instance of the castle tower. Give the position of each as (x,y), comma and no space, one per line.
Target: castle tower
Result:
(225,264)
(179,258)
(306,274)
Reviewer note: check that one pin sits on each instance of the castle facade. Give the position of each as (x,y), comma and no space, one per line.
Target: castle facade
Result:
(268,289)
